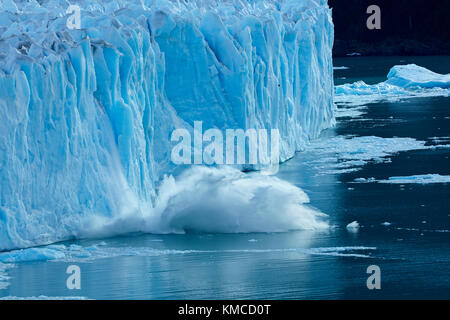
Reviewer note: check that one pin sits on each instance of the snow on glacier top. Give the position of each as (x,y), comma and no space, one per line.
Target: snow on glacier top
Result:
(37,30)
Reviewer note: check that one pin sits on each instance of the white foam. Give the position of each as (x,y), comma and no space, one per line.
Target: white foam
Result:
(218,200)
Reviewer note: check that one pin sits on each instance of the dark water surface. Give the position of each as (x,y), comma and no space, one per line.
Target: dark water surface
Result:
(413,252)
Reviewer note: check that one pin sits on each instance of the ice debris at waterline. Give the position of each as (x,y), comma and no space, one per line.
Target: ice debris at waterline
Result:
(4,278)
(87,113)
(345,154)
(353,227)
(407,81)
(75,253)
(417,179)
(351,112)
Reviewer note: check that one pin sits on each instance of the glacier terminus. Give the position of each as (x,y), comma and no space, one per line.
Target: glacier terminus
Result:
(86,114)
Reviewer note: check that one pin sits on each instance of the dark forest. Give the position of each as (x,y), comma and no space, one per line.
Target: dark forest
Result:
(408,27)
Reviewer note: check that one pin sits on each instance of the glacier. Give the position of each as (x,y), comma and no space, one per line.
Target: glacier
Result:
(87,113)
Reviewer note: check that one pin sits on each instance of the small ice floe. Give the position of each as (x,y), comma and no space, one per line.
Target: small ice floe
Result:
(386,224)
(402,181)
(353,227)
(354,54)
(340,68)
(419,179)
(439,140)
(351,112)
(345,154)
(355,252)
(252,240)
(364,180)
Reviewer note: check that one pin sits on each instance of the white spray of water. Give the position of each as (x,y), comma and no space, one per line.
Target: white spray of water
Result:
(217,200)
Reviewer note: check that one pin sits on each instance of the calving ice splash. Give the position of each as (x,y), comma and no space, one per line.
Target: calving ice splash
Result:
(87,113)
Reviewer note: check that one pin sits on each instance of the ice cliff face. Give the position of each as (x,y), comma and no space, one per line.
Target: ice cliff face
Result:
(86,115)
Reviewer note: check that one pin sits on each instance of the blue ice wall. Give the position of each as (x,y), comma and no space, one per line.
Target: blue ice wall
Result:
(86,115)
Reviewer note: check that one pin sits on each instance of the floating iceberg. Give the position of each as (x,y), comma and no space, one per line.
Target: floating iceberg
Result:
(87,113)
(413,76)
(408,81)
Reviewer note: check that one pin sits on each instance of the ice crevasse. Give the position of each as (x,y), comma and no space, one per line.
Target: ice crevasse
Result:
(86,114)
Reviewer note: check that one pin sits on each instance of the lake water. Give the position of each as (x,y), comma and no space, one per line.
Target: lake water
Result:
(404,228)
